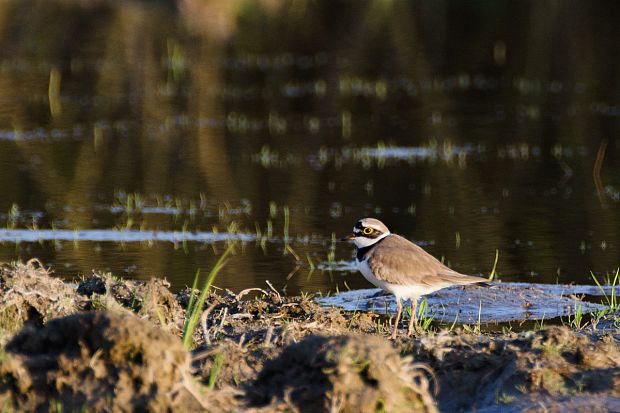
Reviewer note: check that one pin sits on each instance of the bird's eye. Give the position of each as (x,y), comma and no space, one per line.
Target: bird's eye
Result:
(368,231)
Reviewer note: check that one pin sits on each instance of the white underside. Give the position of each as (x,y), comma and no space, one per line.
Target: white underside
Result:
(400,291)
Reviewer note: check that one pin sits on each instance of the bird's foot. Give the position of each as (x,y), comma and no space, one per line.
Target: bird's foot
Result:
(415,331)
(394,333)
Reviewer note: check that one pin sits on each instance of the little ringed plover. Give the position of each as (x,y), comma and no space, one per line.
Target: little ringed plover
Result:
(400,267)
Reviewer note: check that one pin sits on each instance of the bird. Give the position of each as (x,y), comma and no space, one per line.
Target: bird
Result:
(400,267)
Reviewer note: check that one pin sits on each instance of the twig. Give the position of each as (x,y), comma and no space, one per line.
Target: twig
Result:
(203,321)
(189,386)
(268,336)
(241,316)
(274,290)
(37,293)
(225,313)
(427,369)
(95,358)
(204,354)
(290,274)
(33,261)
(290,249)
(413,375)
(596,170)
(248,290)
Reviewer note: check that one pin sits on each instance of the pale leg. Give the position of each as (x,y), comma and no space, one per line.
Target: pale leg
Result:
(399,309)
(412,319)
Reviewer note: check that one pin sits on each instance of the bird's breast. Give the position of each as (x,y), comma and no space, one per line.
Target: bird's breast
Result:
(366,271)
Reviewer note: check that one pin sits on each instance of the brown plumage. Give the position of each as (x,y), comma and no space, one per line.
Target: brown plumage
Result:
(402,262)
(400,267)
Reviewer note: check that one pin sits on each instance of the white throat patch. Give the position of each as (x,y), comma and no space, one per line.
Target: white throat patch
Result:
(362,242)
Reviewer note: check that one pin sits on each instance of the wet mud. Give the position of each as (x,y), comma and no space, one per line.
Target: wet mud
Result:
(107,345)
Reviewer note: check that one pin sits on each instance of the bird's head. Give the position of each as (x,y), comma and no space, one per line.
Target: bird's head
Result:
(367,231)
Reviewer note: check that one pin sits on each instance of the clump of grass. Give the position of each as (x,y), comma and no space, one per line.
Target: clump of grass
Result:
(382,327)
(576,321)
(611,299)
(505,398)
(194,308)
(423,321)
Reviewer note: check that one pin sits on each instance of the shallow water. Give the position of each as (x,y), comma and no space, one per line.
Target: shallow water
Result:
(155,135)
(499,303)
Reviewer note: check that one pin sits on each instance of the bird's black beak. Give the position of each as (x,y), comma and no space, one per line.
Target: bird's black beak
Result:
(349,237)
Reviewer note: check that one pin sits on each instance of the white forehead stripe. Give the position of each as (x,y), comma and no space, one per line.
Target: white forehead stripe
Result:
(378,227)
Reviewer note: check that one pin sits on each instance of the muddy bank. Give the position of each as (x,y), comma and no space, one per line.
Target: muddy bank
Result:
(108,344)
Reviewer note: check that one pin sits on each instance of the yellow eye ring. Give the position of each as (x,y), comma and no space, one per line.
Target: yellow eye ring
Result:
(367,231)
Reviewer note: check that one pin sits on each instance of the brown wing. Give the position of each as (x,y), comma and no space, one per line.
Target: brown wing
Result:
(403,262)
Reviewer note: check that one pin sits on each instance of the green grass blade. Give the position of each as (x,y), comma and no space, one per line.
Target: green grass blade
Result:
(493,273)
(192,295)
(191,320)
(215,369)
(454,322)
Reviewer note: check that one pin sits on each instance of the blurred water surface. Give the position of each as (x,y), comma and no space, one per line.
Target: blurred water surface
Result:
(155,131)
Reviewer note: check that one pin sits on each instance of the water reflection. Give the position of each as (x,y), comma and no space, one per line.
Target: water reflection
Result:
(467,127)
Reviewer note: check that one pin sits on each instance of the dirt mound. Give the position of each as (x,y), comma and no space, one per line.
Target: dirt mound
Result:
(97,361)
(255,315)
(351,373)
(554,364)
(231,364)
(151,300)
(30,295)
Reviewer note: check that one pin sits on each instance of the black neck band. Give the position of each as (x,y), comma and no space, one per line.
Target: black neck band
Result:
(362,251)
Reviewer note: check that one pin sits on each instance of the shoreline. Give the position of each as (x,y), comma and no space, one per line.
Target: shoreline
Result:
(108,343)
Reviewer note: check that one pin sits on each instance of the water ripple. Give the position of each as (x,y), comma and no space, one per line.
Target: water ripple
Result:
(29,235)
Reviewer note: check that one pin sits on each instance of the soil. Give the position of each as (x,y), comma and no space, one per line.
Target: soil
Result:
(30,296)
(112,345)
(348,373)
(96,361)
